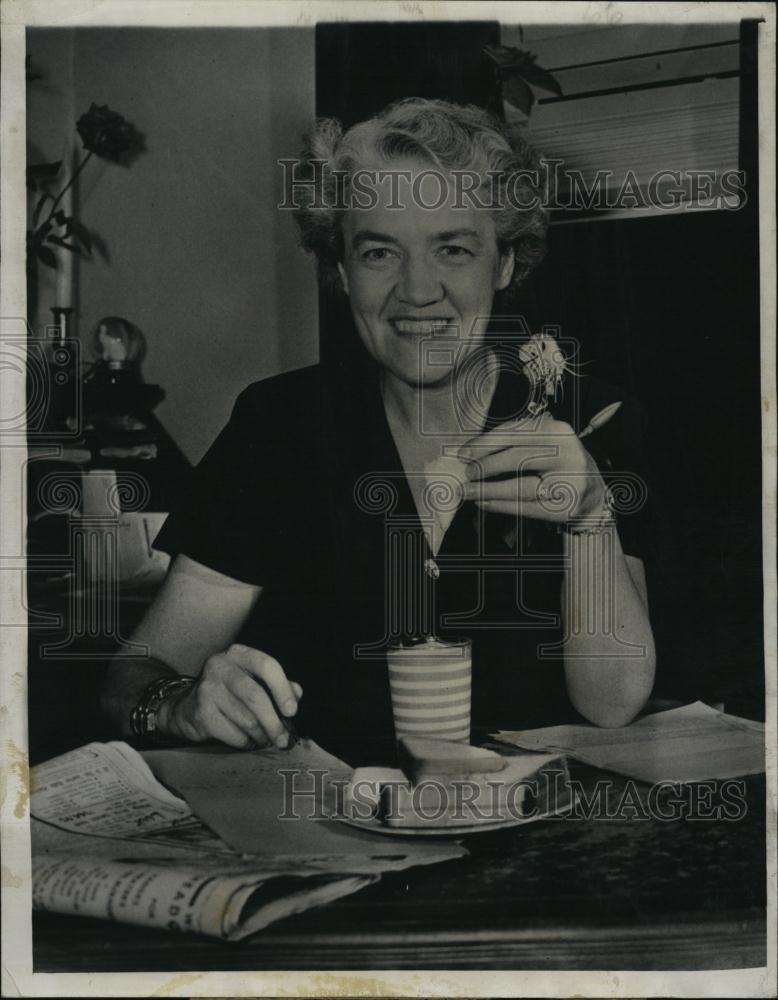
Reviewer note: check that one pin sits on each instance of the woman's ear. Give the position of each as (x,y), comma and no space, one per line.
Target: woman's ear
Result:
(505,269)
(343,277)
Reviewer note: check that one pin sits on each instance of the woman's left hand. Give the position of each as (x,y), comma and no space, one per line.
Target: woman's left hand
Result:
(547,474)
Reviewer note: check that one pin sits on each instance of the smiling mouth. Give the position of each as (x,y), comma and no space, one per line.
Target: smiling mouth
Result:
(428,325)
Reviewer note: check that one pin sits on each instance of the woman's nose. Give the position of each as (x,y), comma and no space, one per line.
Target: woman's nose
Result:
(420,285)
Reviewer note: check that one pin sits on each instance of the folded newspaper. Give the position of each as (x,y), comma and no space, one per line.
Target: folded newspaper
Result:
(110,841)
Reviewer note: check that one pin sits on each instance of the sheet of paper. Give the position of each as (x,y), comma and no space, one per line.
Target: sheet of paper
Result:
(99,798)
(277,802)
(691,743)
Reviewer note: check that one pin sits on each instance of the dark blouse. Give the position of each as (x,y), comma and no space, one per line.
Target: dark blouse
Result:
(303,493)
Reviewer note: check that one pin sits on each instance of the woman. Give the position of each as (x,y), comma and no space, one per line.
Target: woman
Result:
(312,536)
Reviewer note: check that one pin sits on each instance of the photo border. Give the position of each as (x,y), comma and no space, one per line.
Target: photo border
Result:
(18,978)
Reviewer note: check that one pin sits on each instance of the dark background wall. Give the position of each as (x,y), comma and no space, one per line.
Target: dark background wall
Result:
(666,308)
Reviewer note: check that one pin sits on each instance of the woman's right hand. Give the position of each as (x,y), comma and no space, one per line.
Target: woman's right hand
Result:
(240,698)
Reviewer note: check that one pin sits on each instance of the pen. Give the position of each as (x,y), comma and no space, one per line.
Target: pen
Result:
(294,736)
(600,418)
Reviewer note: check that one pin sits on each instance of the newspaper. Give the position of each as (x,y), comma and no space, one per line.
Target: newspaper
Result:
(110,841)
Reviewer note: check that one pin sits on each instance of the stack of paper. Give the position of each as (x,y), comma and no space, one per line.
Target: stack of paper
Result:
(692,743)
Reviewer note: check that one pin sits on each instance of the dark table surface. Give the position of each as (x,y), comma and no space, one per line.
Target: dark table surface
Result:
(623,892)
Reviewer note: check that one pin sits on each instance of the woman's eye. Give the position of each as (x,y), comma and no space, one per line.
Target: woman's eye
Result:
(377,254)
(455,251)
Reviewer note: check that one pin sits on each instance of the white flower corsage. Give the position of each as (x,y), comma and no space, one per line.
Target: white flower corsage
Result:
(544,364)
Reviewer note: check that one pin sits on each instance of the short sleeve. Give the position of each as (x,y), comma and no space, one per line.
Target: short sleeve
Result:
(239,514)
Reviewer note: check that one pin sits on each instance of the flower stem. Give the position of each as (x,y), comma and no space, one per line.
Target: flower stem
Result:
(69,184)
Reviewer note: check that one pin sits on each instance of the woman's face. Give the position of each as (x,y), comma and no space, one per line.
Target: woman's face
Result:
(421,281)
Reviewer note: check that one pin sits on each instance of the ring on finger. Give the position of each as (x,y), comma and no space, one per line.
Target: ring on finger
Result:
(543,492)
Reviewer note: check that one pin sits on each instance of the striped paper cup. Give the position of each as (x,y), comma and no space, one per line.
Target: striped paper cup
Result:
(430,685)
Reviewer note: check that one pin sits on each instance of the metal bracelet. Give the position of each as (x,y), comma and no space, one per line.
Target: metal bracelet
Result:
(143,718)
(592,524)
